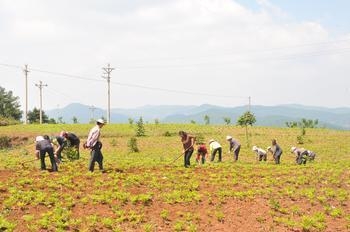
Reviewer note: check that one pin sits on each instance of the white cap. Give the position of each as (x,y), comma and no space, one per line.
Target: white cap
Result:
(228,137)
(39,138)
(210,141)
(268,148)
(100,120)
(293,149)
(255,148)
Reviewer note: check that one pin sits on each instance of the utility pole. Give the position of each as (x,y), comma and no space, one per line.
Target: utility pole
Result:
(249,103)
(92,108)
(40,86)
(26,71)
(107,72)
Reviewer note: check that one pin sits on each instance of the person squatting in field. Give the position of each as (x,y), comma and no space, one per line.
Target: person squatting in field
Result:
(93,142)
(214,148)
(235,147)
(302,155)
(261,154)
(276,151)
(187,141)
(202,152)
(43,145)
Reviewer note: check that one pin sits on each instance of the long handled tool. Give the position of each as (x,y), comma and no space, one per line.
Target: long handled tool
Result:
(177,157)
(181,154)
(28,161)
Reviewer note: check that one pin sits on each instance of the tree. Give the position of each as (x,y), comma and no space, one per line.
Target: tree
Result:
(193,122)
(9,105)
(60,120)
(34,116)
(246,119)
(206,119)
(52,121)
(131,121)
(227,120)
(75,120)
(140,128)
(292,124)
(156,121)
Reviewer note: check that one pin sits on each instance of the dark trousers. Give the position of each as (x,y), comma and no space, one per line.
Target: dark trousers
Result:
(262,157)
(201,157)
(277,157)
(217,150)
(96,156)
(236,153)
(43,152)
(187,157)
(301,158)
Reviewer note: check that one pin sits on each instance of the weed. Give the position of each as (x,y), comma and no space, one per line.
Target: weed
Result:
(132,145)
(164,214)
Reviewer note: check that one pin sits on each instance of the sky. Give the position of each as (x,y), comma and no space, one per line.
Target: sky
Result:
(177,52)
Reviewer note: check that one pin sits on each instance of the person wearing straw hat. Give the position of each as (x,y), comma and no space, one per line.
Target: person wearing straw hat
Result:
(261,154)
(214,148)
(93,142)
(235,147)
(43,145)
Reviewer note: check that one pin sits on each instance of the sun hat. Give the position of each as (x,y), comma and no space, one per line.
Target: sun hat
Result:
(255,148)
(210,141)
(39,138)
(228,137)
(100,120)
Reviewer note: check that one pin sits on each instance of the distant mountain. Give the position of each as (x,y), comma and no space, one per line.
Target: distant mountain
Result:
(83,113)
(338,118)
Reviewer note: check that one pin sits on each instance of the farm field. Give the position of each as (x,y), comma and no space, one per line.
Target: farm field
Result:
(145,191)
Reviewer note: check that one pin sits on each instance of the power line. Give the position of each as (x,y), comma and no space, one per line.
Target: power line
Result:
(175,91)
(241,52)
(263,59)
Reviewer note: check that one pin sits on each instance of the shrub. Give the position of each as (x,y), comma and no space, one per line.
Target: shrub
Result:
(140,129)
(5,142)
(132,145)
(167,134)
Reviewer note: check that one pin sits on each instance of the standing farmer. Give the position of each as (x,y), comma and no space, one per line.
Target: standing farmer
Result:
(93,142)
(235,147)
(187,141)
(276,151)
(214,148)
(42,146)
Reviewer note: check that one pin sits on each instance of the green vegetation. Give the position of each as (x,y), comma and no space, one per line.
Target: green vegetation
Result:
(144,192)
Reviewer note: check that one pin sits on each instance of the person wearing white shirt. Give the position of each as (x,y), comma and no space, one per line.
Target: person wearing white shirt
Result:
(93,142)
(261,154)
(214,148)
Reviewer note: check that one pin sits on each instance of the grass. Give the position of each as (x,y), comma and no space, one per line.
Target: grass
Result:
(144,192)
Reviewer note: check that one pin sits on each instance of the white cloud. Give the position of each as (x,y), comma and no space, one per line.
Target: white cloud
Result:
(212,46)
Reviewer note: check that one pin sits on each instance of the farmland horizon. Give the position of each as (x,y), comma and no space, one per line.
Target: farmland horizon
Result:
(336,118)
